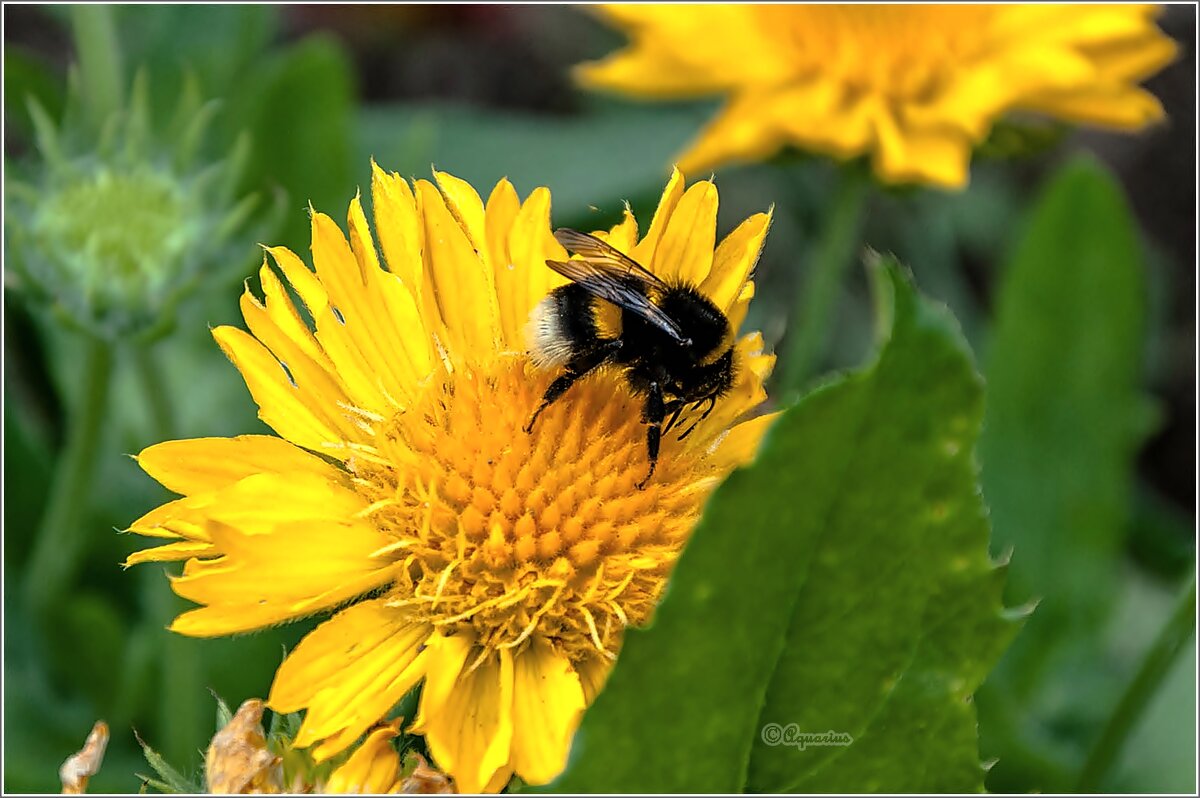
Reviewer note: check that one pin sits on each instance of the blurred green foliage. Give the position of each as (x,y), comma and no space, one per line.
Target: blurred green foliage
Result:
(1065,416)
(1069,351)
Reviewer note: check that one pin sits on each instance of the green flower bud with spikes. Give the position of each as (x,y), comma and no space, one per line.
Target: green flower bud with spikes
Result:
(116,224)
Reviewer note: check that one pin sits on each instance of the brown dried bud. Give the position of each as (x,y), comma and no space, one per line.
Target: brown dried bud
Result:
(80,767)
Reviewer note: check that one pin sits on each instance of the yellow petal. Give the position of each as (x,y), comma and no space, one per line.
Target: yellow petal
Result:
(820,114)
(261,501)
(348,673)
(374,767)
(314,377)
(741,444)
(359,331)
(202,464)
(180,518)
(447,654)
(306,284)
(255,504)
(643,253)
(284,316)
(1051,23)
(298,417)
(295,569)
(751,368)
(623,235)
(654,67)
(737,134)
(467,208)
(498,780)
(502,208)
(171,552)
(1040,64)
(741,305)
(627,70)
(547,703)
(1131,60)
(685,253)
(462,288)
(531,243)
(400,230)
(921,156)
(395,322)
(471,735)
(593,672)
(1120,107)
(735,260)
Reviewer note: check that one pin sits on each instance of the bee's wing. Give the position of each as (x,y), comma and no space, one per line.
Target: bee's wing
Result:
(609,274)
(591,248)
(599,278)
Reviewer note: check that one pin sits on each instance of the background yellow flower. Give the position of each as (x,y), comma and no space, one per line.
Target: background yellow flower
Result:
(915,87)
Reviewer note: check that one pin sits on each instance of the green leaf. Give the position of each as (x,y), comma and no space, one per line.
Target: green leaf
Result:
(224,713)
(170,780)
(26,77)
(1065,409)
(218,43)
(297,106)
(1065,417)
(841,584)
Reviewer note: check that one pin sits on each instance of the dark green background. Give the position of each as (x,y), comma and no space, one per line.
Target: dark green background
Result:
(1088,466)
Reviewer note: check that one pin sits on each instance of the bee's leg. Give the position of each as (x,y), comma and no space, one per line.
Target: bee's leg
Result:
(712,402)
(675,408)
(653,414)
(576,368)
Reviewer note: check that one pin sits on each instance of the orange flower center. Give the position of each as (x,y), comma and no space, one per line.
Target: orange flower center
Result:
(508,534)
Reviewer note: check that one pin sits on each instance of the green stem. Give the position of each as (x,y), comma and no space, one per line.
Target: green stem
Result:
(162,418)
(1154,668)
(819,289)
(99,54)
(183,713)
(61,539)
(183,706)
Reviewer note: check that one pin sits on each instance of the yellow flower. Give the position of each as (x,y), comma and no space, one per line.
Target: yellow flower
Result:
(498,566)
(916,87)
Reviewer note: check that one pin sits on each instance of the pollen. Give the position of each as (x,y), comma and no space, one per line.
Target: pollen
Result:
(506,534)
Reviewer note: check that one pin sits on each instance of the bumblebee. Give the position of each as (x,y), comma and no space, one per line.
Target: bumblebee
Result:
(671,343)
